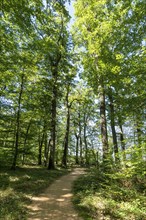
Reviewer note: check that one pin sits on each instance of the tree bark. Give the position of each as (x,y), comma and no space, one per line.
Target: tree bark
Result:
(77,149)
(40,149)
(16,145)
(85,140)
(55,60)
(122,142)
(46,150)
(51,164)
(25,141)
(65,151)
(104,135)
(80,139)
(112,121)
(53,130)
(139,133)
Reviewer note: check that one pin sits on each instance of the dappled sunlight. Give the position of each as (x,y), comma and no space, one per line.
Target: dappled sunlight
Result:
(40,199)
(57,215)
(34,208)
(78,171)
(65,189)
(55,203)
(17,189)
(67,195)
(13,179)
(7,192)
(60,200)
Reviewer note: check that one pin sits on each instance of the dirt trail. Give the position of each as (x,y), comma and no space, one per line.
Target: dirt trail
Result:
(55,203)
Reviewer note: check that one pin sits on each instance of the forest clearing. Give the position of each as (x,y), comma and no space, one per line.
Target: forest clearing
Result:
(72,98)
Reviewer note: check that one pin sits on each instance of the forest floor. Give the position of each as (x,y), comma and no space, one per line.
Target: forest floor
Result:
(19,186)
(110,196)
(55,202)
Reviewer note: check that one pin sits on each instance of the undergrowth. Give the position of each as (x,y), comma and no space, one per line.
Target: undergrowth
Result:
(17,188)
(111,196)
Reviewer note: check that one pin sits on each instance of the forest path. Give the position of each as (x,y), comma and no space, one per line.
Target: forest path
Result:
(55,202)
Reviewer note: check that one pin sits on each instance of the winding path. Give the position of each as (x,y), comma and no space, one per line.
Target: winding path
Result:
(55,203)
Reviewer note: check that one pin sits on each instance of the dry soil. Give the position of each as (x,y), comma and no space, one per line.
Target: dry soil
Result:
(55,202)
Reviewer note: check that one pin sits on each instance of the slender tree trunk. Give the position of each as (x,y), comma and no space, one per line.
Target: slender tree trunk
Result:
(40,149)
(46,152)
(53,131)
(77,148)
(139,133)
(80,140)
(81,151)
(122,142)
(97,159)
(13,167)
(112,120)
(85,140)
(104,135)
(25,141)
(122,138)
(65,150)
(51,164)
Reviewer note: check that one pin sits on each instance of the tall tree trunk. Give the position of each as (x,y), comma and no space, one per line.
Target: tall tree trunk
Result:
(40,149)
(77,149)
(85,140)
(16,145)
(122,141)
(51,164)
(112,120)
(25,141)
(139,132)
(80,139)
(46,150)
(104,135)
(65,151)
(53,130)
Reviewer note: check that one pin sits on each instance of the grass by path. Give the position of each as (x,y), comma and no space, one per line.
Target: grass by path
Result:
(17,187)
(97,196)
